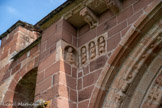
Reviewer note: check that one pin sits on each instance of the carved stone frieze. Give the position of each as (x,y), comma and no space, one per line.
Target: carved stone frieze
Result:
(89,17)
(119,98)
(155,93)
(93,49)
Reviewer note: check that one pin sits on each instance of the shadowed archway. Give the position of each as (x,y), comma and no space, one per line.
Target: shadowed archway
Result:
(25,90)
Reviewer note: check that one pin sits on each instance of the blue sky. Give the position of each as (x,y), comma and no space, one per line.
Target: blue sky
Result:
(30,11)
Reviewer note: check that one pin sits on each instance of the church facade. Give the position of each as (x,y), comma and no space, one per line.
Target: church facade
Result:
(85,54)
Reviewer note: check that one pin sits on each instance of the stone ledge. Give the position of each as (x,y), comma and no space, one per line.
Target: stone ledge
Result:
(20,23)
(19,54)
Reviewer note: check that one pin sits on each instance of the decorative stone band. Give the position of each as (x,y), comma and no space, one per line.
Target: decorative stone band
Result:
(93,49)
(154,95)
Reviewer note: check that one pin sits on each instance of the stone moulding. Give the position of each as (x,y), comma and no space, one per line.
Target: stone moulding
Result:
(73,11)
(46,21)
(108,73)
(154,92)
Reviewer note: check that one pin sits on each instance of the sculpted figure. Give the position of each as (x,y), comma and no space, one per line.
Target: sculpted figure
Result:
(92,50)
(101,45)
(119,98)
(83,55)
(70,56)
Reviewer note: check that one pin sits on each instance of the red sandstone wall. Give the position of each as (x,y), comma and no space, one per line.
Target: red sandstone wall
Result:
(63,84)
(14,42)
(11,71)
(56,80)
(116,26)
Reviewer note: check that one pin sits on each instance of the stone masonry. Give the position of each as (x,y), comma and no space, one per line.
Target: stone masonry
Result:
(85,54)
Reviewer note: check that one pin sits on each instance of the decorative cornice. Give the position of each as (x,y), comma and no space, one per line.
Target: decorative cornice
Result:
(73,11)
(54,12)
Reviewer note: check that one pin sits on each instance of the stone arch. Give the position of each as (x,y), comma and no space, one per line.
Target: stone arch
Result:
(25,89)
(135,34)
(151,84)
(15,81)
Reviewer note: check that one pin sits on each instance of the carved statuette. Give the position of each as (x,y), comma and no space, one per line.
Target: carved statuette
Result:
(92,50)
(70,57)
(101,45)
(119,98)
(83,55)
(89,17)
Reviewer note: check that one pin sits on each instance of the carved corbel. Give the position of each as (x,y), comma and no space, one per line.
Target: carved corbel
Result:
(89,17)
(112,5)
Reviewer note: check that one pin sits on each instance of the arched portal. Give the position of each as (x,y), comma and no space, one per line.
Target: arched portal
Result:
(127,68)
(25,90)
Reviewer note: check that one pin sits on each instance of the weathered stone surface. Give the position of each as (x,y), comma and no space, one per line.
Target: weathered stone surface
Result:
(114,58)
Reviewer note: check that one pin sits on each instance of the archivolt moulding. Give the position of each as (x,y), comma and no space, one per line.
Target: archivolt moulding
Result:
(127,45)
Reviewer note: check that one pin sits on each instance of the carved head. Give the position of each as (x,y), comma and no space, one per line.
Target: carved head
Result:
(70,49)
(101,39)
(92,44)
(83,49)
